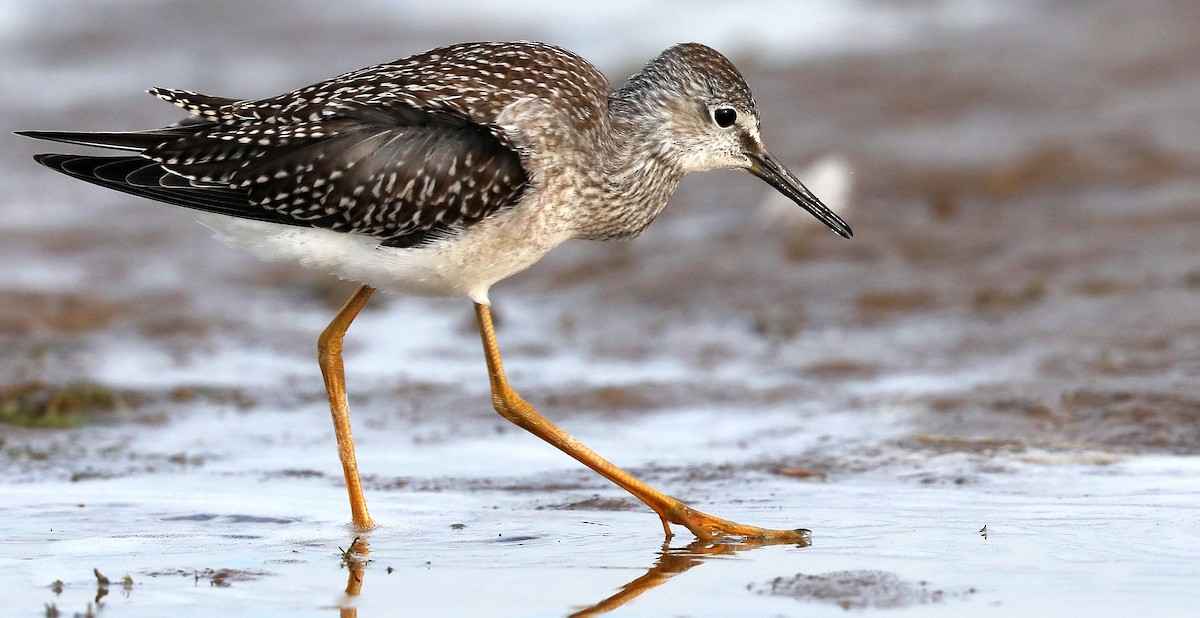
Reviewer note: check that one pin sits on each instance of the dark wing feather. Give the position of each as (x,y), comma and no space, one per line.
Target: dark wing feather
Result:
(397,174)
(125,140)
(138,176)
(389,182)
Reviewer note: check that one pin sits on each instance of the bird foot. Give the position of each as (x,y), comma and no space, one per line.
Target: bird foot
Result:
(711,528)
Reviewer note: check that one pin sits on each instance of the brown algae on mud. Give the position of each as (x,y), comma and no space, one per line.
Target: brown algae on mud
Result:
(28,312)
(36,404)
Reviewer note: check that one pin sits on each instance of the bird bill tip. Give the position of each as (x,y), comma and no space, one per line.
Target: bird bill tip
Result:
(767,167)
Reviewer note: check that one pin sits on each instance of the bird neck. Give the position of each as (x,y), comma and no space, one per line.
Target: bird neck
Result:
(639,173)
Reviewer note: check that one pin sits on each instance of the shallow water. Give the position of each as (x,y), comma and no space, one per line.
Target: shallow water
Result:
(1061,537)
(984,404)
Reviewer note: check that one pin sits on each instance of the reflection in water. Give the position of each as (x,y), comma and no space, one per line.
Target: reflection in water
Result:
(672,562)
(101,589)
(355,559)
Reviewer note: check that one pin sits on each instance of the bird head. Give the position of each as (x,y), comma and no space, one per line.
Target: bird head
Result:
(709,121)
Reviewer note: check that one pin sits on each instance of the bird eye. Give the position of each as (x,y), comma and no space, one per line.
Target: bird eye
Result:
(725,117)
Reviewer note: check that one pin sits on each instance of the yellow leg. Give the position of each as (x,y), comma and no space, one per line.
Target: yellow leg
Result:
(329,355)
(511,406)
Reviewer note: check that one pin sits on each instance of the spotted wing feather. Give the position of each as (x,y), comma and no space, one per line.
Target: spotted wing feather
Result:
(398,151)
(395,174)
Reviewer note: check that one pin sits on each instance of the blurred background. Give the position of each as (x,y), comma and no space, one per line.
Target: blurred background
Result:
(1018,308)
(1020,176)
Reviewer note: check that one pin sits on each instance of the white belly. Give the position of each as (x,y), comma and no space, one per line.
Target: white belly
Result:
(464,264)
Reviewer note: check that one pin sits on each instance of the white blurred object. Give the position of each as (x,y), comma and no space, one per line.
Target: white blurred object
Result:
(829,178)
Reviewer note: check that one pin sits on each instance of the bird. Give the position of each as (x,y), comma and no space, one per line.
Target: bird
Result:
(443,173)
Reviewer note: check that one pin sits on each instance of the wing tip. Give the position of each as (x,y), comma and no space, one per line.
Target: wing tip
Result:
(51,160)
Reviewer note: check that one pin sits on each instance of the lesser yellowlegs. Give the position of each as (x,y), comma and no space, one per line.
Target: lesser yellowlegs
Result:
(442,173)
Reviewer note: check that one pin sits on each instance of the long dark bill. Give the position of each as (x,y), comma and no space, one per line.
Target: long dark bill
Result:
(767,167)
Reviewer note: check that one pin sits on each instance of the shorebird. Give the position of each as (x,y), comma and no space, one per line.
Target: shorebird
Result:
(443,173)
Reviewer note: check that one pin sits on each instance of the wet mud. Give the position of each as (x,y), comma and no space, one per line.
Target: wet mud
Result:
(855,589)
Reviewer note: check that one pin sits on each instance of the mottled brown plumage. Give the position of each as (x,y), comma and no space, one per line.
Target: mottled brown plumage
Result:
(400,150)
